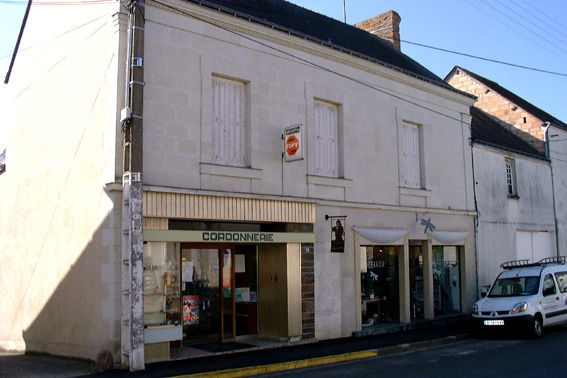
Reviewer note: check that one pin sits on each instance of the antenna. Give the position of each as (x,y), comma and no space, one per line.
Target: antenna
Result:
(344,10)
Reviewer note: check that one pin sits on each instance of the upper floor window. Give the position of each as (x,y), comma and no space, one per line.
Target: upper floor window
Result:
(326,139)
(511,178)
(228,131)
(411,156)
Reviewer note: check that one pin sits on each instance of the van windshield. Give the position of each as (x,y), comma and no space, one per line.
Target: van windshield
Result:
(514,286)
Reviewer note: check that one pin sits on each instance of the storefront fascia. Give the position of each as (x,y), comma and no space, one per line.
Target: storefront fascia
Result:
(400,237)
(157,338)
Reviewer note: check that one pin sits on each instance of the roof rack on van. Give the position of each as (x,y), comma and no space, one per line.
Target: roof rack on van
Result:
(559,260)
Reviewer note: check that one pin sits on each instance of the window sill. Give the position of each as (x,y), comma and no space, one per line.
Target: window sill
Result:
(415,192)
(329,181)
(225,170)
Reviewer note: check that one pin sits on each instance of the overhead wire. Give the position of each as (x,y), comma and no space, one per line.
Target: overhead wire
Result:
(535,24)
(58,36)
(486,59)
(544,22)
(509,27)
(548,17)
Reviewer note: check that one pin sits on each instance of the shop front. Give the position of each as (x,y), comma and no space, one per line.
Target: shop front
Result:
(403,280)
(209,287)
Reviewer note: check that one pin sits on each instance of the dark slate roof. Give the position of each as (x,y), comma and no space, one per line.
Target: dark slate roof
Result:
(487,130)
(512,97)
(293,19)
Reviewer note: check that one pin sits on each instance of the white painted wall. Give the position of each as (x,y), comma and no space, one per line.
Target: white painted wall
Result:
(508,228)
(59,230)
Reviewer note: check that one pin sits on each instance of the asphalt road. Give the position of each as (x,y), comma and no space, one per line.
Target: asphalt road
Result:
(500,356)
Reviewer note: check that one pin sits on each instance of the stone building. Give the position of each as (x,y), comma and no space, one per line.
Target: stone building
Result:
(188,172)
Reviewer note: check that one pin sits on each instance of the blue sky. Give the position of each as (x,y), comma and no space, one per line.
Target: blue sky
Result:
(530,33)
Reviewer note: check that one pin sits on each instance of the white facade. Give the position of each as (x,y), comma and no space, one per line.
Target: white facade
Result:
(515,227)
(61,229)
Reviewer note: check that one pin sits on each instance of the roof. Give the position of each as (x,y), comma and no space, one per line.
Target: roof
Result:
(293,19)
(512,97)
(487,130)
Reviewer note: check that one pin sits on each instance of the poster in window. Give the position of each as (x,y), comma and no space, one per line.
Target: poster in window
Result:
(337,235)
(190,309)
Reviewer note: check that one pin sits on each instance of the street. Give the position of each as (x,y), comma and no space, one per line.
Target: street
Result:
(501,356)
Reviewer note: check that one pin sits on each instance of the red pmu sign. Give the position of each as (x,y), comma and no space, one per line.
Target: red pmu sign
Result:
(293,143)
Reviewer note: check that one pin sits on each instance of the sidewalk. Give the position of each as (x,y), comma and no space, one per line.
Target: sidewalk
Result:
(377,341)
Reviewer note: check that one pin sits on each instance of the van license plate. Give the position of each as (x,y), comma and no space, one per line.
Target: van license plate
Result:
(494,322)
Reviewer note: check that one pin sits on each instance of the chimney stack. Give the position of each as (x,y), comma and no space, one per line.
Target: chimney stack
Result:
(386,26)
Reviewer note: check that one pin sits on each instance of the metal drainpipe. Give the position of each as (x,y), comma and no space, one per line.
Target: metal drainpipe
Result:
(548,155)
(132,335)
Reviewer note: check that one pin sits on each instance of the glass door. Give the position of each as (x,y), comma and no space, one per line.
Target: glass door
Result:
(208,294)
(228,319)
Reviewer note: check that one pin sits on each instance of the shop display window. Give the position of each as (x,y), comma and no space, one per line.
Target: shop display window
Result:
(447,278)
(379,284)
(162,300)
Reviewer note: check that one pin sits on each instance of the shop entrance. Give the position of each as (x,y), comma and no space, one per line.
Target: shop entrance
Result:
(379,284)
(218,292)
(416,280)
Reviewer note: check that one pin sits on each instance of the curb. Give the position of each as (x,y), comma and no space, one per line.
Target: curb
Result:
(328,360)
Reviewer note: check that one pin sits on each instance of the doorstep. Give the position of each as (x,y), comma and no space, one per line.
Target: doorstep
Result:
(391,327)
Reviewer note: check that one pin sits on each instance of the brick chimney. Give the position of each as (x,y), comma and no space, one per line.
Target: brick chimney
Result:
(386,26)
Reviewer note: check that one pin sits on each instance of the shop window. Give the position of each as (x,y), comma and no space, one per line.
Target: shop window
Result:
(446,280)
(379,284)
(162,305)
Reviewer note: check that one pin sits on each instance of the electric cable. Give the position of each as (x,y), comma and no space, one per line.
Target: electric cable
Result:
(486,59)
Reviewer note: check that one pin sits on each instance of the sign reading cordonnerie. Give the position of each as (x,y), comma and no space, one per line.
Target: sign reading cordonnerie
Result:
(293,143)
(227,236)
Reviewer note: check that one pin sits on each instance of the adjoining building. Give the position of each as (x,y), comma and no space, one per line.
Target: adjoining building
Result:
(185,172)
(520,175)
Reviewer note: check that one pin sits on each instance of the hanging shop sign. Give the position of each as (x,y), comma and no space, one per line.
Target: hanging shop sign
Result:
(338,224)
(293,143)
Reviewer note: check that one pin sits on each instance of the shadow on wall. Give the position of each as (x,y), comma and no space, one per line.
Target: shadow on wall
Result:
(82,315)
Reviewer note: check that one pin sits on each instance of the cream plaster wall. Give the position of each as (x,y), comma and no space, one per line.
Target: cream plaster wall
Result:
(182,54)
(59,232)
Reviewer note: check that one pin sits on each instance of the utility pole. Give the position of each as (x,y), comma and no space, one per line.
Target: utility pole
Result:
(132,331)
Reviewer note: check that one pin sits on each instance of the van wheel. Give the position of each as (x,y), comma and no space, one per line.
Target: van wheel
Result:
(537,327)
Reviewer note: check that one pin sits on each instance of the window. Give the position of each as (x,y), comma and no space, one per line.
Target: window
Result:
(228,122)
(511,178)
(549,285)
(411,156)
(562,281)
(326,139)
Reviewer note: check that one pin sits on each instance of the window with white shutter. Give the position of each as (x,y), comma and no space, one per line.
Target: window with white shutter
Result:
(326,139)
(411,156)
(511,178)
(228,122)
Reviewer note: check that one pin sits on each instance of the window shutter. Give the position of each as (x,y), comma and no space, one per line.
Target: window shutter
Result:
(227,131)
(326,139)
(412,174)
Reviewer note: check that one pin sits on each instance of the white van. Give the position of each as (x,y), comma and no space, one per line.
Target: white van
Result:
(525,296)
